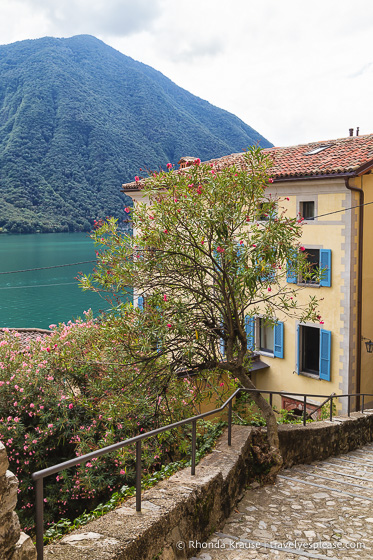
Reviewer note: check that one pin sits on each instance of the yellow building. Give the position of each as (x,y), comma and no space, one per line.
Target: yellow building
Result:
(327,184)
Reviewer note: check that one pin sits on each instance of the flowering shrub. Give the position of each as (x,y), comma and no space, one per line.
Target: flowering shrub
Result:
(70,393)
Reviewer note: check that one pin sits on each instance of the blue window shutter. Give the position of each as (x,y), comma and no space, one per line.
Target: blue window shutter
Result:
(140,302)
(326,263)
(250,332)
(325,351)
(279,340)
(297,362)
(291,273)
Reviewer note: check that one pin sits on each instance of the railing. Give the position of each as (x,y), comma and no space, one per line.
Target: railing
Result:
(40,475)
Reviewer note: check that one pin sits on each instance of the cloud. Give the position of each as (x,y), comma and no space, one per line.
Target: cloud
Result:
(363,70)
(99,17)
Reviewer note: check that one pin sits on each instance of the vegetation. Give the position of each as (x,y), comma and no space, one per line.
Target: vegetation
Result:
(77,119)
(206,262)
(67,395)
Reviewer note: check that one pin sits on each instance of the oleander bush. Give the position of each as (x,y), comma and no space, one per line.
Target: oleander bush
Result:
(70,393)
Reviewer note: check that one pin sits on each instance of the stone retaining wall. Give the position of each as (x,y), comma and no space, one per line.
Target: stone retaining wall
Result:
(14,545)
(185,508)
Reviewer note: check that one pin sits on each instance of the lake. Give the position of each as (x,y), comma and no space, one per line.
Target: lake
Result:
(42,297)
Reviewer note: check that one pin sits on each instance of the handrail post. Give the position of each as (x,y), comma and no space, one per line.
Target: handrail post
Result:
(194,444)
(138,475)
(349,405)
(304,409)
(39,505)
(230,423)
(270,398)
(362,404)
(331,410)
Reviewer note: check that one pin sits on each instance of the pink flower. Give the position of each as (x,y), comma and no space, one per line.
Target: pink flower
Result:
(71,406)
(253,245)
(169,325)
(287,198)
(127,209)
(175,199)
(221,384)
(32,405)
(270,180)
(165,298)
(165,231)
(302,248)
(151,217)
(202,241)
(220,250)
(169,166)
(122,471)
(321,322)
(241,242)
(199,190)
(137,178)
(269,288)
(197,161)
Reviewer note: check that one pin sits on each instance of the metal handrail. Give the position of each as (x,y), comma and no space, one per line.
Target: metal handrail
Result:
(39,476)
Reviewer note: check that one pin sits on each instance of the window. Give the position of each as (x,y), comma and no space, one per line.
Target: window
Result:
(318,260)
(263,212)
(314,352)
(307,209)
(313,262)
(266,210)
(317,150)
(264,337)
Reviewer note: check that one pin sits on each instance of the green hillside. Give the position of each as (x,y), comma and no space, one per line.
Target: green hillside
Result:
(78,119)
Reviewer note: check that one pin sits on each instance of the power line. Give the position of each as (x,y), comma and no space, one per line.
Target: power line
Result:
(93,261)
(46,267)
(342,210)
(36,286)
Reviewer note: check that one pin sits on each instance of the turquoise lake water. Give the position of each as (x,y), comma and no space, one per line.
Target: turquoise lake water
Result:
(43,297)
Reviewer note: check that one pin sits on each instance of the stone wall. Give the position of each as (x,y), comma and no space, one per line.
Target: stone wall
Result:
(189,508)
(14,545)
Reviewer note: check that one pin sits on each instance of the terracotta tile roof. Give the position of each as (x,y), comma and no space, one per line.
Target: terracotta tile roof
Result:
(344,155)
(353,154)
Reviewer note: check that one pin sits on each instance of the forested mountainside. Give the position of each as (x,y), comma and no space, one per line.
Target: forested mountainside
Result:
(78,119)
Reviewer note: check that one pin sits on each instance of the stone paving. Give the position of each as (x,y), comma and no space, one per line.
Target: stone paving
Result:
(322,511)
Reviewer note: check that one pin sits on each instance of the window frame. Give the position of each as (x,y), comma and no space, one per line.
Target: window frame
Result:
(325,353)
(325,262)
(252,328)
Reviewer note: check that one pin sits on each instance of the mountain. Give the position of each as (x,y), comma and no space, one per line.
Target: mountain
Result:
(78,119)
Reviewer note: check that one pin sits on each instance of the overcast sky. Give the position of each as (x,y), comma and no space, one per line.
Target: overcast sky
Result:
(295,70)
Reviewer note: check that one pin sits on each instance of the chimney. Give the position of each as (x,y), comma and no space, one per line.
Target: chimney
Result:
(186,161)
(351,131)
(357,131)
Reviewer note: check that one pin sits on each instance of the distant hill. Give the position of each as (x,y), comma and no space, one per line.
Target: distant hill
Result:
(78,119)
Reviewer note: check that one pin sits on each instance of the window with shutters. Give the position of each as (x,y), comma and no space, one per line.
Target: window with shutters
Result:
(319,268)
(314,352)
(265,338)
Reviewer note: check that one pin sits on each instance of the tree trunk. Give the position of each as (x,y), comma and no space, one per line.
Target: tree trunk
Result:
(268,414)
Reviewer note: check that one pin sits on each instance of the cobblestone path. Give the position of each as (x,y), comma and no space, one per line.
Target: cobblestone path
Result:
(323,511)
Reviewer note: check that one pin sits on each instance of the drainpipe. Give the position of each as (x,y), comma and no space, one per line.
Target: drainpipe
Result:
(359,287)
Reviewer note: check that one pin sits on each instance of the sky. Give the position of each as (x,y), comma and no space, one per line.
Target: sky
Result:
(296,71)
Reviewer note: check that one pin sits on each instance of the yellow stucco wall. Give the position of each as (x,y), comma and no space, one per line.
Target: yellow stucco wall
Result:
(327,232)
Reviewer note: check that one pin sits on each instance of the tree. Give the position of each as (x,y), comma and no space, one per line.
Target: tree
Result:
(209,251)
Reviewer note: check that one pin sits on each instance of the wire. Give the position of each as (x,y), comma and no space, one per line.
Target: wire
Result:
(88,262)
(343,210)
(46,267)
(37,286)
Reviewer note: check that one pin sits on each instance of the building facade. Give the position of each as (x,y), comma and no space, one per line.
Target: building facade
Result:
(330,185)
